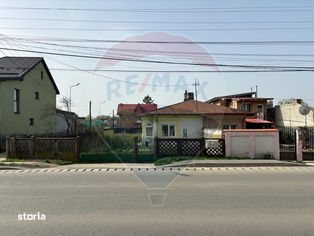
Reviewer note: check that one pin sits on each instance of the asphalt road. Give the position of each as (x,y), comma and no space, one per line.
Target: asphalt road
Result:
(216,201)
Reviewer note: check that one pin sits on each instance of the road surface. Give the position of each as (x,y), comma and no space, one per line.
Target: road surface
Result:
(210,201)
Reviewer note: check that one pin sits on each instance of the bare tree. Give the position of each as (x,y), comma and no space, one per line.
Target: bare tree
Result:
(63,112)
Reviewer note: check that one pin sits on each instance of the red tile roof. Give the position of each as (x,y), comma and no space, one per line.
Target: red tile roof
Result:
(131,108)
(257,121)
(197,107)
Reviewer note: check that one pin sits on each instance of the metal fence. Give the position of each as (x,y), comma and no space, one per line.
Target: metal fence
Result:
(97,147)
(189,147)
(307,136)
(287,140)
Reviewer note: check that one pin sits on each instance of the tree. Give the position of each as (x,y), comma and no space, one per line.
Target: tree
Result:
(70,118)
(148,100)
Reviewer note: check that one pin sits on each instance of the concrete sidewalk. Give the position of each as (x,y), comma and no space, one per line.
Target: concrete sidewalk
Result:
(188,163)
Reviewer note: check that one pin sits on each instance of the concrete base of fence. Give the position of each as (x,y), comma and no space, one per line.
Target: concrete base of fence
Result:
(252,143)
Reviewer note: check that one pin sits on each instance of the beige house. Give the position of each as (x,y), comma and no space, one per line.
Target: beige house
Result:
(191,119)
(27,91)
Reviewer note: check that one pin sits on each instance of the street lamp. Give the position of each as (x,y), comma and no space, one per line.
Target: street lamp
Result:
(75,85)
(100,107)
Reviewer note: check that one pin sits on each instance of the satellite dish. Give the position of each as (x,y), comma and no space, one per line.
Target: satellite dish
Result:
(304,110)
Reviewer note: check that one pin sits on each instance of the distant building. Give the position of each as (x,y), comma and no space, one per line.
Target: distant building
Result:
(288,114)
(27,91)
(247,102)
(128,114)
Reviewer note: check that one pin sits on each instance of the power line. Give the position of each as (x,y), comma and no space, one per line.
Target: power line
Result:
(171,52)
(150,29)
(170,71)
(171,10)
(157,22)
(270,42)
(162,62)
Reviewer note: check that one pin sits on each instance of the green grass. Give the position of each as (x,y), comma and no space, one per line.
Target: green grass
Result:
(170,160)
(13,160)
(59,162)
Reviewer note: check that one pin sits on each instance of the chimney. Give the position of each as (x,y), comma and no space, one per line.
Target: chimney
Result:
(190,96)
(185,95)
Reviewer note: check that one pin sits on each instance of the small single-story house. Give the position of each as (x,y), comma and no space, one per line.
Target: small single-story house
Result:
(191,119)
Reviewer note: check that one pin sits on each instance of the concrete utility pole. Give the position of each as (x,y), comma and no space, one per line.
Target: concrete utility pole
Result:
(75,85)
(100,107)
(196,84)
(90,115)
(112,119)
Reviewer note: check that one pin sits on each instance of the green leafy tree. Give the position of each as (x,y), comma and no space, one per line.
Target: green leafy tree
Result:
(148,100)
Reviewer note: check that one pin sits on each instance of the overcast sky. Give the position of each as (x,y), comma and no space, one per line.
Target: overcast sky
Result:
(218,21)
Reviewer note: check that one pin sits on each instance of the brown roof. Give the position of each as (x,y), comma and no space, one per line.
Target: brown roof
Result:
(15,68)
(131,108)
(196,107)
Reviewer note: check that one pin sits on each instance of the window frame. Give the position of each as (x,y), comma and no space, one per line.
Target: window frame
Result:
(16,101)
(37,95)
(31,122)
(245,105)
(149,126)
(168,130)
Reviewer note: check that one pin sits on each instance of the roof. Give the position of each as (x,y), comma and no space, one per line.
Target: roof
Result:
(15,68)
(197,107)
(251,99)
(257,121)
(248,94)
(131,108)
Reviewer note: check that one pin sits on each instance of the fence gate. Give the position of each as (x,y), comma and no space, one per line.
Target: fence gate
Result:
(287,139)
(307,136)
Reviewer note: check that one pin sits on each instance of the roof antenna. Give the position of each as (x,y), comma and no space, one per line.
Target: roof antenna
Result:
(256,90)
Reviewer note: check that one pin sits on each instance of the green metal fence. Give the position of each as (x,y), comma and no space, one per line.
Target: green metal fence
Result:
(99,148)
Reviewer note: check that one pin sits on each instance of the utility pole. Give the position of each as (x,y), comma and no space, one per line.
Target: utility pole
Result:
(113,119)
(256,90)
(90,115)
(196,84)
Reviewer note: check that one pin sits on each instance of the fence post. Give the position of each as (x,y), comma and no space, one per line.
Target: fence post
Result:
(202,147)
(156,148)
(77,148)
(135,149)
(179,147)
(31,146)
(298,144)
(8,147)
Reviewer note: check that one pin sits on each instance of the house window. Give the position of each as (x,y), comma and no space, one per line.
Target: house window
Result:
(36,95)
(246,107)
(168,130)
(185,133)
(41,74)
(31,121)
(233,126)
(260,111)
(16,101)
(149,130)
